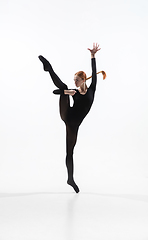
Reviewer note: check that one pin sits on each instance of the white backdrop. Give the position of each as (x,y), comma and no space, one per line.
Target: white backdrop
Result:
(112,141)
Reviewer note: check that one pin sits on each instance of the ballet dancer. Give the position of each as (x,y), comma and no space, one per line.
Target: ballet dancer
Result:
(73,116)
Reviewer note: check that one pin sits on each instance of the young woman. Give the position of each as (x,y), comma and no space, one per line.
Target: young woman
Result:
(73,116)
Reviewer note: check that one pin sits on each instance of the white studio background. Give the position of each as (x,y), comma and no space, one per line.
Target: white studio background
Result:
(112,141)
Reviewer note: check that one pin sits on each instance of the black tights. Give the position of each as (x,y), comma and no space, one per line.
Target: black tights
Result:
(71,128)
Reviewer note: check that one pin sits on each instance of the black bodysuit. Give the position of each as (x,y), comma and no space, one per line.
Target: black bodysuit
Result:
(72,116)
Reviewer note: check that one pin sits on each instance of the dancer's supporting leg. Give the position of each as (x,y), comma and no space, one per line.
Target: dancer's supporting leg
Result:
(71,138)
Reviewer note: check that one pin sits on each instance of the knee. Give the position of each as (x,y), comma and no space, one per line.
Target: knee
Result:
(69,154)
(69,160)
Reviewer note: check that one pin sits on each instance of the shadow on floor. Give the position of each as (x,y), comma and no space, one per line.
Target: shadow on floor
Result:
(136,197)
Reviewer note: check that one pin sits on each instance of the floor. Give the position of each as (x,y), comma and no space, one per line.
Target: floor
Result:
(70,216)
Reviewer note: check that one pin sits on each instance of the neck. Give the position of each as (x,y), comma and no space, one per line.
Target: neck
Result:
(83,88)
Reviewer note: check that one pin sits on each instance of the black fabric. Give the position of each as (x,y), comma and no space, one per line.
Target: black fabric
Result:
(72,116)
(82,103)
(58,91)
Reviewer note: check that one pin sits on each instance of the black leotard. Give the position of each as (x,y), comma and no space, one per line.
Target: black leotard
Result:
(82,103)
(72,116)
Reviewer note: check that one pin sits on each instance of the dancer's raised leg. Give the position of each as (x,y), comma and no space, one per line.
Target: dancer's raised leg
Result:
(48,68)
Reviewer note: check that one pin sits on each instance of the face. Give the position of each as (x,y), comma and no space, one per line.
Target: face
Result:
(78,81)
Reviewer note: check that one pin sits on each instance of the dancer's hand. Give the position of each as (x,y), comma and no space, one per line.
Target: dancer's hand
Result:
(94,50)
(70,92)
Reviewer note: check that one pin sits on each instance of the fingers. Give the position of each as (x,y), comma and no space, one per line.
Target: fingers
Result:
(95,48)
(73,93)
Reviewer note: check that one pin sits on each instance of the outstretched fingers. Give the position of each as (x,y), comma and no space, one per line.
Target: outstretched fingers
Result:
(95,48)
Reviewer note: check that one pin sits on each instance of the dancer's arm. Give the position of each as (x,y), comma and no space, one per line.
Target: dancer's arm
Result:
(66,91)
(70,92)
(93,64)
(94,74)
